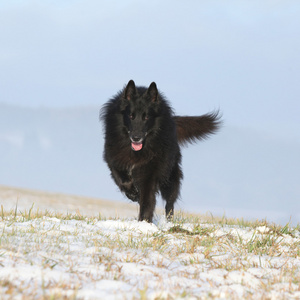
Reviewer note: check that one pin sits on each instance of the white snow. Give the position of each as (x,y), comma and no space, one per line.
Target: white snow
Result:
(115,259)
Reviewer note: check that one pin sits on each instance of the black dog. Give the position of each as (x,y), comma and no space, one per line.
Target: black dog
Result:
(142,138)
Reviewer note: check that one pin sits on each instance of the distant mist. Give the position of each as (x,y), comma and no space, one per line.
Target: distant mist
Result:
(238,172)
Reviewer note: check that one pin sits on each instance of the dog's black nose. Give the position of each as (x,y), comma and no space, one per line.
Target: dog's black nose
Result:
(136,138)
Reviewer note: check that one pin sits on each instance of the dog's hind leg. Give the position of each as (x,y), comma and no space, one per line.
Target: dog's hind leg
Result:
(170,190)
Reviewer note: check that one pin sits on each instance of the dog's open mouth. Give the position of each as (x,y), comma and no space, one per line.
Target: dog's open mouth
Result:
(136,146)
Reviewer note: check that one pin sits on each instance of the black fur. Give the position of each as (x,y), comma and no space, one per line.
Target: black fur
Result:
(142,138)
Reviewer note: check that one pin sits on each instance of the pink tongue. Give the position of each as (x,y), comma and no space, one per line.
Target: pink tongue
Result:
(137,146)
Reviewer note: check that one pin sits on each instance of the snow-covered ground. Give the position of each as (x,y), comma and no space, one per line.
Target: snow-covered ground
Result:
(92,258)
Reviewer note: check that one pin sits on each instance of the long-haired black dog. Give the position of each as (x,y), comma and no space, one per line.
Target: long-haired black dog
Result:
(142,138)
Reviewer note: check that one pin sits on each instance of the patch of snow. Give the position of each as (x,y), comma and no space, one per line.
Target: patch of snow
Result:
(114,259)
(263,229)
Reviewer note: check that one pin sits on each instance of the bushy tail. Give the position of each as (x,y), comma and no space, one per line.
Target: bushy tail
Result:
(191,129)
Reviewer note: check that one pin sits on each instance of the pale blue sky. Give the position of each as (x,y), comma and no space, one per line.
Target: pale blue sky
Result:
(239,56)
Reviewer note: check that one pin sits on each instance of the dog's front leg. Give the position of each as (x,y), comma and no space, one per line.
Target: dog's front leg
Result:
(125,183)
(120,177)
(147,201)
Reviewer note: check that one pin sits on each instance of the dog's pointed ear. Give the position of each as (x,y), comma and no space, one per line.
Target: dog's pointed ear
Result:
(152,92)
(130,90)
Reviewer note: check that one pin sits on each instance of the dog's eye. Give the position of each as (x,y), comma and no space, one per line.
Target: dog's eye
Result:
(145,117)
(131,116)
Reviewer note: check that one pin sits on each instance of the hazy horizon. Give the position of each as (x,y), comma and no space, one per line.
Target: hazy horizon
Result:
(238,171)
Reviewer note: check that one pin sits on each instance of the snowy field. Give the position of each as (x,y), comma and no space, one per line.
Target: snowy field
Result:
(63,256)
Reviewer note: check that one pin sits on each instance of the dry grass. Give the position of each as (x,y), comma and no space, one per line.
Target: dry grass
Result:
(217,258)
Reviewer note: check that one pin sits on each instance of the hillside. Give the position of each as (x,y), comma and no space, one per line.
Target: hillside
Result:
(24,199)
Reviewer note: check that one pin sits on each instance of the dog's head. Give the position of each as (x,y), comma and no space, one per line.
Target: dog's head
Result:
(139,110)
